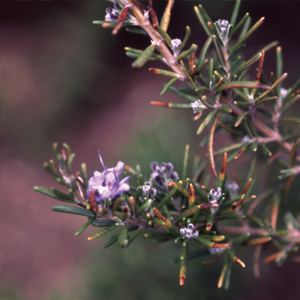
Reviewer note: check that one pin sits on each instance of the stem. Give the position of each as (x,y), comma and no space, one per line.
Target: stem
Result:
(158,41)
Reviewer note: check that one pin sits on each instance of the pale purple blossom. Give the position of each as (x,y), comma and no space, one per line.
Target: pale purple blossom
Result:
(176,43)
(147,191)
(107,182)
(215,195)
(163,174)
(189,232)
(197,106)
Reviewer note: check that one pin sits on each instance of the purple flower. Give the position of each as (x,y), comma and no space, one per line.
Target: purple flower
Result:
(107,182)
(163,174)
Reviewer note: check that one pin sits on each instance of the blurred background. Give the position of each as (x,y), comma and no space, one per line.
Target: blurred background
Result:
(64,79)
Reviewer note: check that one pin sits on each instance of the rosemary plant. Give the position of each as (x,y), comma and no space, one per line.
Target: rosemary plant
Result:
(208,206)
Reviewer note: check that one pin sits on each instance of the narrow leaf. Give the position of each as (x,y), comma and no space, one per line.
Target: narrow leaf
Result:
(103,222)
(278,67)
(186,37)
(165,20)
(241,84)
(244,37)
(122,237)
(102,232)
(235,12)
(142,59)
(247,64)
(210,146)
(202,20)
(183,264)
(207,120)
(85,226)
(73,210)
(240,118)
(272,87)
(182,95)
(185,162)
(167,86)
(238,26)
(240,239)
(111,241)
(164,35)
(186,53)
(61,197)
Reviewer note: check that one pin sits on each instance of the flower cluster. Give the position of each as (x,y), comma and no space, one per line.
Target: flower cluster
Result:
(163,174)
(223,29)
(189,232)
(176,45)
(197,106)
(148,192)
(215,195)
(112,16)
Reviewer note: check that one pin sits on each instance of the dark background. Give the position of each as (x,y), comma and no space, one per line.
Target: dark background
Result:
(64,79)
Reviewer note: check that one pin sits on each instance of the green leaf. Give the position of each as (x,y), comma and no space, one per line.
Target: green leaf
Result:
(159,235)
(167,86)
(73,210)
(211,115)
(238,26)
(144,57)
(241,84)
(137,31)
(103,222)
(85,226)
(133,55)
(227,275)
(167,197)
(182,95)
(218,52)
(228,148)
(132,236)
(146,205)
(245,36)
(231,216)
(265,149)
(110,241)
(69,161)
(235,12)
(208,243)
(272,87)
(196,188)
(50,168)
(102,232)
(278,68)
(54,194)
(240,239)
(122,237)
(247,64)
(210,70)
(164,35)
(186,37)
(185,162)
(84,175)
(202,20)
(186,53)
(240,118)
(62,195)
(255,220)
(205,15)
(289,103)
